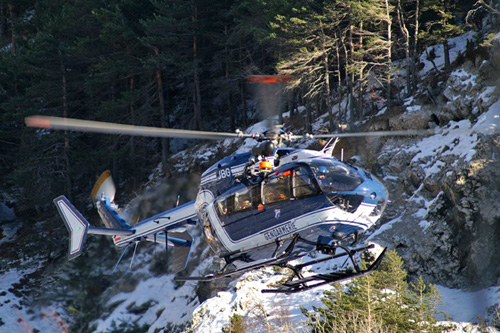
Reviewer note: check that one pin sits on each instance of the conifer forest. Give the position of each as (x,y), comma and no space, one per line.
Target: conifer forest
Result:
(184,64)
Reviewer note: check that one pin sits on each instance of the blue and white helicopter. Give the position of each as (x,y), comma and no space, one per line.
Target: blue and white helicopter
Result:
(265,207)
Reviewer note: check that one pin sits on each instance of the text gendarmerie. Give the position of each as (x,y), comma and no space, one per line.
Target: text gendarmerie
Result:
(280,231)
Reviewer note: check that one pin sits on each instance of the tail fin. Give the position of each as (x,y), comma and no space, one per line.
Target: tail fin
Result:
(103,185)
(75,222)
(103,195)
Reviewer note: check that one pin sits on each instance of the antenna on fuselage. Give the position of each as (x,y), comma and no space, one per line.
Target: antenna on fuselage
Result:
(330,146)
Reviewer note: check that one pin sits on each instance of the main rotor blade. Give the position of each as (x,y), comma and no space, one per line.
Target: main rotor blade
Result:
(269,91)
(79,125)
(378,133)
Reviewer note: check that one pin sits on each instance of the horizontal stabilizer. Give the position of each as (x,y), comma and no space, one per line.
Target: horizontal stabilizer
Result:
(75,222)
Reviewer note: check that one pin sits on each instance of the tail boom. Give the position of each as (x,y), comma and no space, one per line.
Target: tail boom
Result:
(168,227)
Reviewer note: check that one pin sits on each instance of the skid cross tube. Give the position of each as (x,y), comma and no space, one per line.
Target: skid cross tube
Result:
(254,265)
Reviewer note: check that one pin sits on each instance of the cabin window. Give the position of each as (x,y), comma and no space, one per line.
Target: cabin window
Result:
(303,185)
(276,188)
(241,200)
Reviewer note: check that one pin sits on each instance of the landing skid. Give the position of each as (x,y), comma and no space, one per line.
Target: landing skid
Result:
(297,283)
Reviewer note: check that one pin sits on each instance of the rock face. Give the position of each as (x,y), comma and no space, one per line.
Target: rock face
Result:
(444,219)
(446,225)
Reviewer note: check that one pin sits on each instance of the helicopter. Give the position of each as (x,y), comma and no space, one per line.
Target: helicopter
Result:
(264,207)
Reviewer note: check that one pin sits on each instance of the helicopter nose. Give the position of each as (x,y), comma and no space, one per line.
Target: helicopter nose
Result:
(373,191)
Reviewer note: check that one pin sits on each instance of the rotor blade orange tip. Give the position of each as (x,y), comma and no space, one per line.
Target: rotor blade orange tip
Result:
(37,121)
(269,78)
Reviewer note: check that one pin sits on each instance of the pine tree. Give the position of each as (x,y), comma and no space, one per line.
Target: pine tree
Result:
(392,278)
(52,86)
(425,299)
(380,302)
(236,325)
(311,40)
(173,35)
(118,83)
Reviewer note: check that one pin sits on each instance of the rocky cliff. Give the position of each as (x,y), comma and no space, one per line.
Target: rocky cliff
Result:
(445,213)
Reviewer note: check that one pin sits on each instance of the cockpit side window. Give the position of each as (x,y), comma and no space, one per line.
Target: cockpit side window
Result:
(335,177)
(302,183)
(243,200)
(276,188)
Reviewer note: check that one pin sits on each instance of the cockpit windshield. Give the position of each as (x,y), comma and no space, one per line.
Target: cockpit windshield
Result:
(335,177)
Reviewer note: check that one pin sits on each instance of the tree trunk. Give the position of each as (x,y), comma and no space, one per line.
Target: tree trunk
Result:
(308,116)
(406,36)
(281,109)
(446,47)
(132,115)
(196,75)
(3,24)
(326,82)
(230,107)
(243,104)
(290,102)
(13,25)
(162,110)
(361,77)
(241,81)
(341,117)
(66,149)
(350,82)
(446,51)
(328,93)
(413,62)
(389,55)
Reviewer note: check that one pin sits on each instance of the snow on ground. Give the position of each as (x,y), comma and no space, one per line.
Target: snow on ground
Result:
(383,228)
(457,46)
(489,122)
(15,316)
(261,311)
(155,301)
(454,140)
(457,139)
(464,306)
